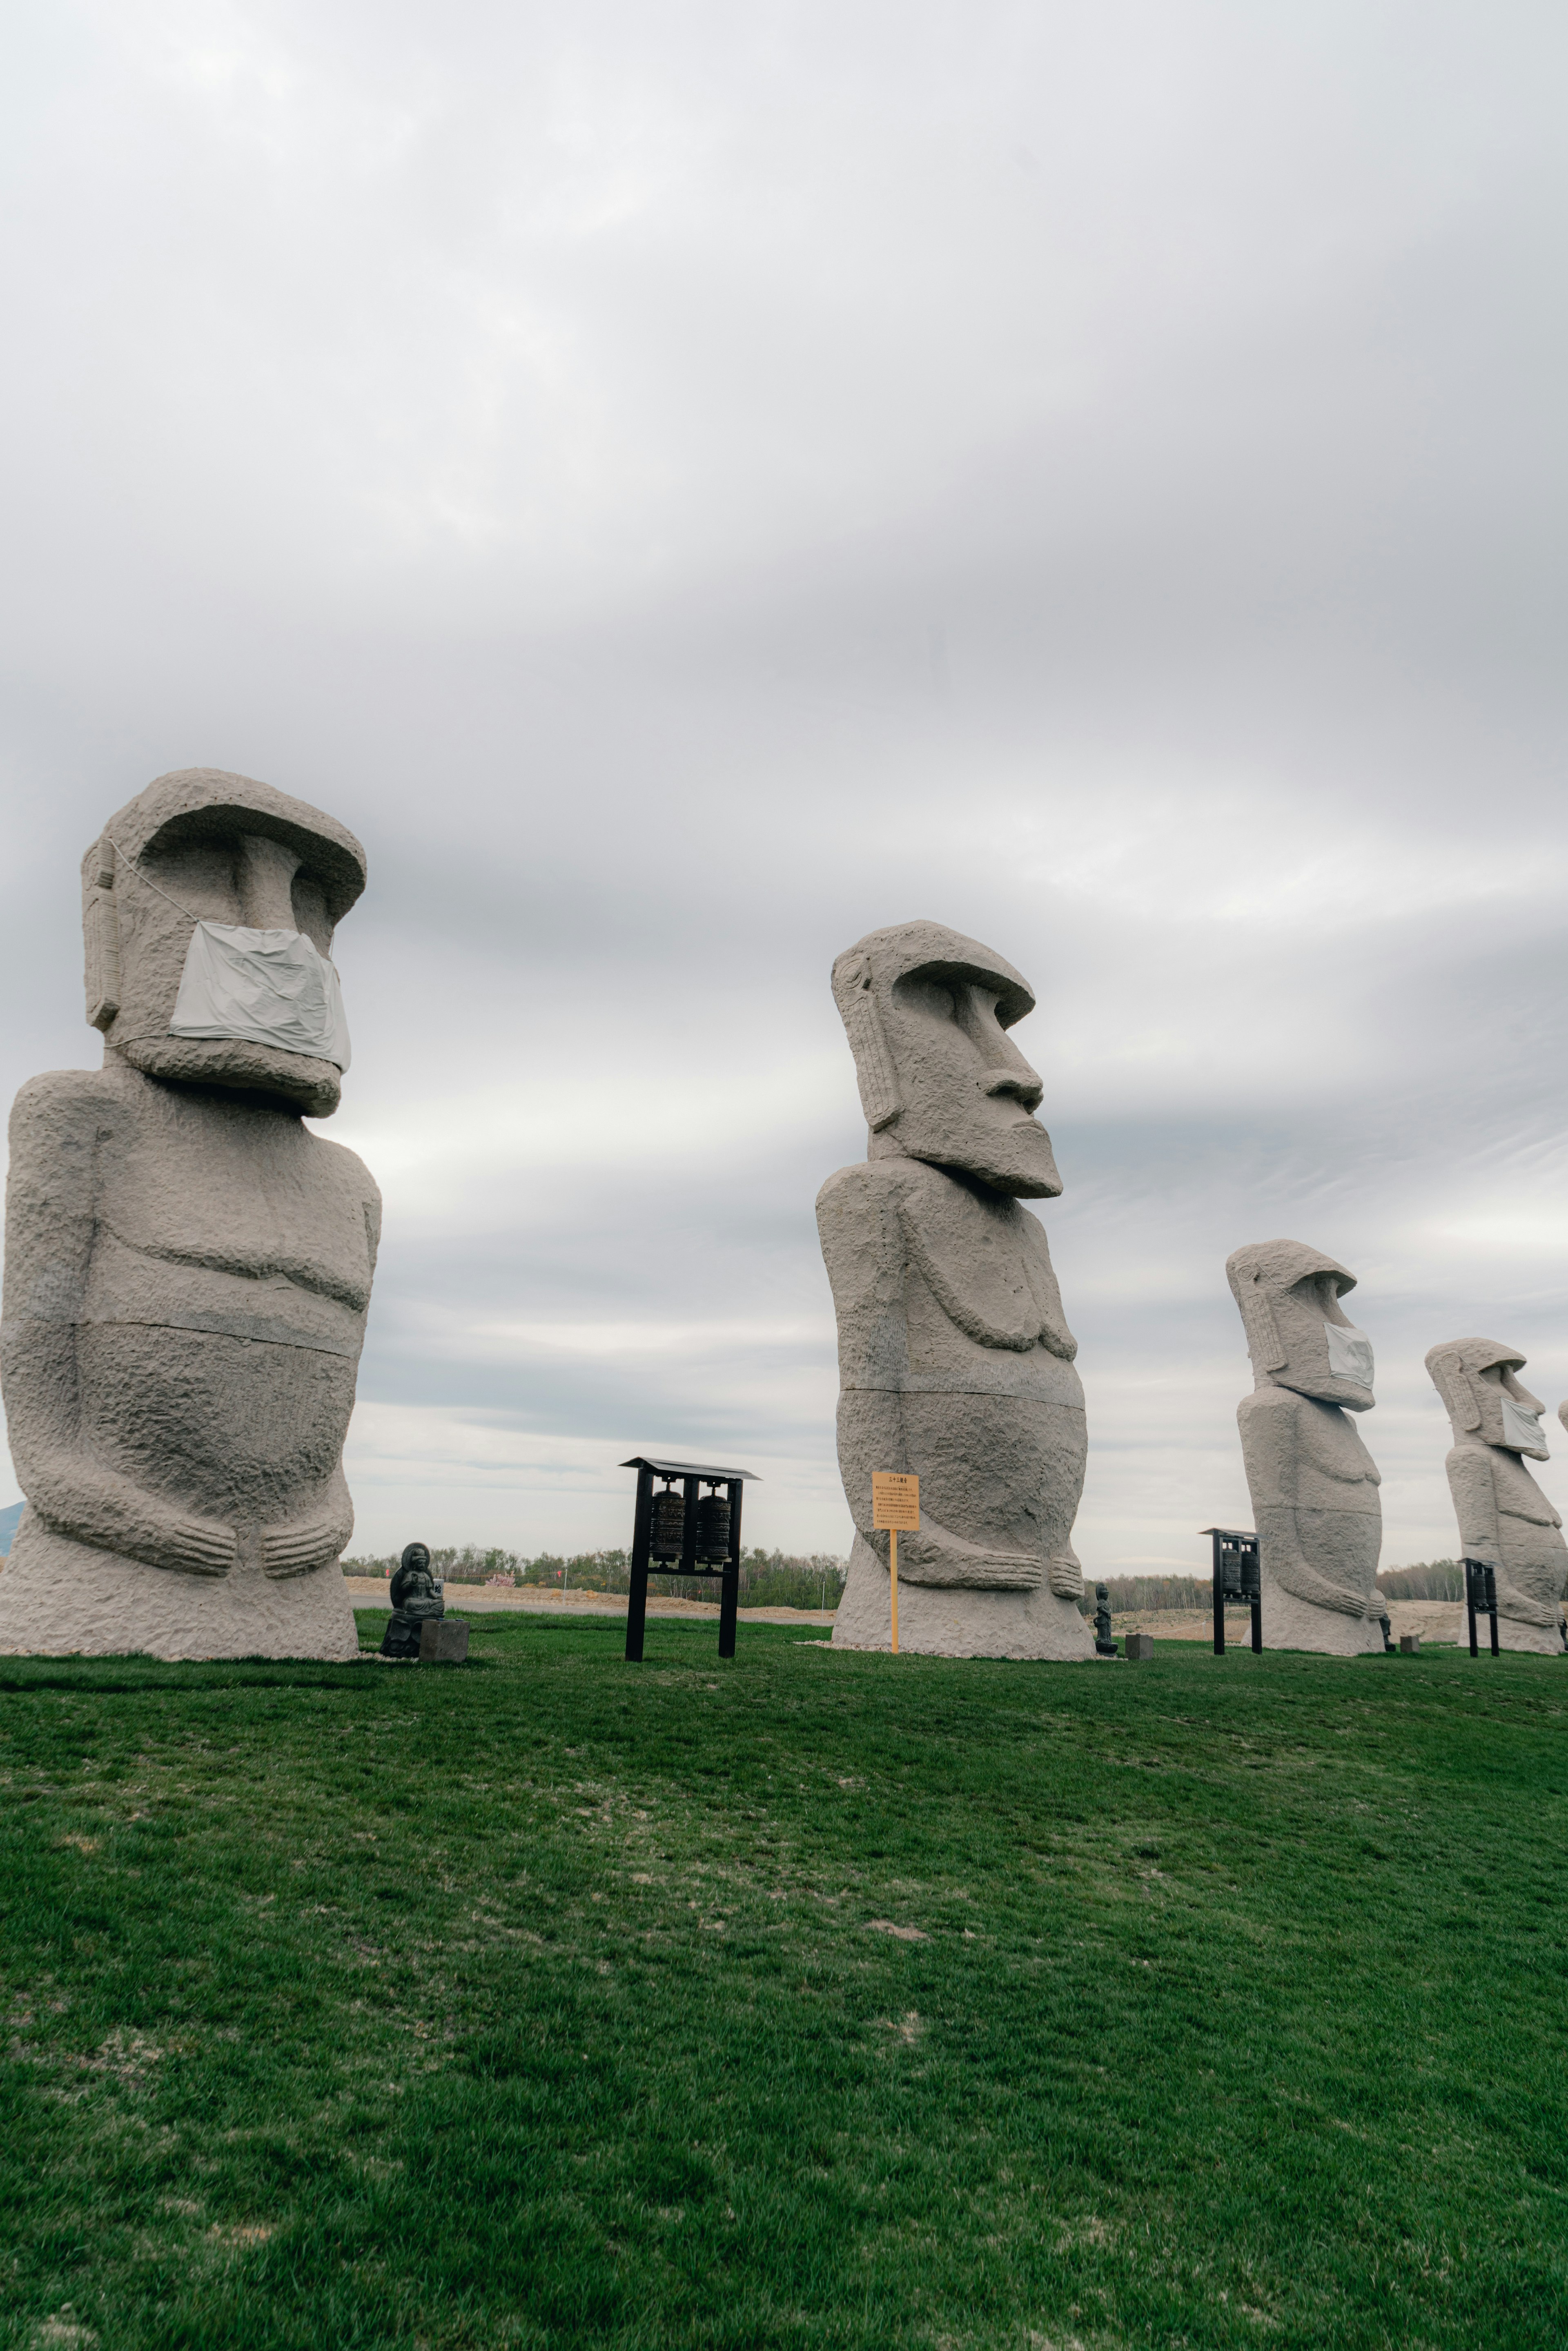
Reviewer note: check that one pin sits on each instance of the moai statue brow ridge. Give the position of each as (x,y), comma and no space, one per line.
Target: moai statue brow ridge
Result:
(1312,1481)
(955,1360)
(187,1266)
(1505,1519)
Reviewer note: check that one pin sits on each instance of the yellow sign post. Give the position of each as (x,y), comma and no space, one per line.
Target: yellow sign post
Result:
(895,1503)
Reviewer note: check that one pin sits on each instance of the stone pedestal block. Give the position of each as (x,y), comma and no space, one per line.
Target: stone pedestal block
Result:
(1140,1644)
(443,1641)
(1409,1645)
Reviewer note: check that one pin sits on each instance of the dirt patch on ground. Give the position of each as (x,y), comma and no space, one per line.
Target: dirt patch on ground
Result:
(466,1599)
(1435,1620)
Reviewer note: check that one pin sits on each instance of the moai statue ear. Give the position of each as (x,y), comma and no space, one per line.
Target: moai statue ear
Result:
(853,995)
(1258,1320)
(1456,1387)
(100,925)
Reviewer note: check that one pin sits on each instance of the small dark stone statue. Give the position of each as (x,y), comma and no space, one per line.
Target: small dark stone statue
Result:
(1104,1645)
(415,1602)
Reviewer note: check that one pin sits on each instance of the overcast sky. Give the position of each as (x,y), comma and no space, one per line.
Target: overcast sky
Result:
(690,484)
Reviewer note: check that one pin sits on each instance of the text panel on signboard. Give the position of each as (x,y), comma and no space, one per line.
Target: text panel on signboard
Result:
(894,1501)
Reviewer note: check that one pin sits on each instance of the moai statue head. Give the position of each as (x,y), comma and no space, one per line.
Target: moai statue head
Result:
(1297,1334)
(927,1012)
(209,905)
(1486,1404)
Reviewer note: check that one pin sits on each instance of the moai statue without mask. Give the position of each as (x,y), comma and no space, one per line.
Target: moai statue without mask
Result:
(1504,1518)
(187,1267)
(954,1359)
(1312,1481)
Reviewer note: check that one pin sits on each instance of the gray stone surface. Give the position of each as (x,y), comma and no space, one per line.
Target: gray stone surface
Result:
(443,1642)
(1504,1518)
(955,1360)
(1409,1645)
(1312,1481)
(187,1268)
(1140,1646)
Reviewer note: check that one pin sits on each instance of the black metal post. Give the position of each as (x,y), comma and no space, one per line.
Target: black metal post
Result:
(1258,1624)
(689,1526)
(637,1593)
(1219,1592)
(729,1590)
(1480,1598)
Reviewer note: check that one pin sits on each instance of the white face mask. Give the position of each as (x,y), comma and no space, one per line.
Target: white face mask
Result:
(1520,1428)
(1350,1354)
(263,987)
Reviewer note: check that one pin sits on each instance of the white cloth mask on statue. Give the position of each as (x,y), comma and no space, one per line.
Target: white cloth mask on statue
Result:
(263,987)
(1350,1354)
(1522,1428)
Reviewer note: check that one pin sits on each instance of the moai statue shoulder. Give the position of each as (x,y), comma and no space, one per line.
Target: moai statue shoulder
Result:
(1505,1519)
(955,1360)
(187,1266)
(1312,1481)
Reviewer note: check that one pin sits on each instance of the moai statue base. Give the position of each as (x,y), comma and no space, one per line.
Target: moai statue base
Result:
(954,1361)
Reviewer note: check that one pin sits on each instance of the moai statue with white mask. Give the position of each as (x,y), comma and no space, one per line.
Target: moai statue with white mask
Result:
(1505,1519)
(1312,1481)
(187,1266)
(954,1361)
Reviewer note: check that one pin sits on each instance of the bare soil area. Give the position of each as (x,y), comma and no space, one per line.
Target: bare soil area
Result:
(464,1599)
(1435,1620)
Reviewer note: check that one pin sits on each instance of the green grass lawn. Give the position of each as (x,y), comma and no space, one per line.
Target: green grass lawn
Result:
(812,1999)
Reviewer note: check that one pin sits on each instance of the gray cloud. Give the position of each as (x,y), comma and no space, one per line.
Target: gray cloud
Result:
(690,484)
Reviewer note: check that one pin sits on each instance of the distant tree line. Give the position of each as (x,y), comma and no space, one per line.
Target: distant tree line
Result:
(776,1579)
(1129,1592)
(1430,1579)
(768,1579)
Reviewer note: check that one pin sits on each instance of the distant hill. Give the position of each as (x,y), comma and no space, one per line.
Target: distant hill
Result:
(8,1523)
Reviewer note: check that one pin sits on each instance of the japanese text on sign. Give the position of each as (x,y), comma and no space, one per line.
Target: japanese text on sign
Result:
(894,1501)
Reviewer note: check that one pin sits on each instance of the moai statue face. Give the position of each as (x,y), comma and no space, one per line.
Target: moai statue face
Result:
(1486,1404)
(209,905)
(1297,1334)
(927,1012)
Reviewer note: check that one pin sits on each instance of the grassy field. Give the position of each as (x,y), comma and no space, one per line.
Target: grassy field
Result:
(813,2000)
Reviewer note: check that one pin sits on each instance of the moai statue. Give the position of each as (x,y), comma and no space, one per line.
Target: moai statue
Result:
(187,1266)
(1312,1481)
(1505,1519)
(954,1359)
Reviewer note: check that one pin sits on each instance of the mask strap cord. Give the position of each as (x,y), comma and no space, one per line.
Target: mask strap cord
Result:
(131,867)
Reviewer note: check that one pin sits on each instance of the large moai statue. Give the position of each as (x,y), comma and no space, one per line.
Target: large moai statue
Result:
(954,1362)
(1312,1481)
(187,1267)
(1504,1518)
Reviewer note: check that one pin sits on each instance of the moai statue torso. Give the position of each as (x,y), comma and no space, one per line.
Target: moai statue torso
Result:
(1312,1481)
(954,1359)
(1504,1518)
(187,1267)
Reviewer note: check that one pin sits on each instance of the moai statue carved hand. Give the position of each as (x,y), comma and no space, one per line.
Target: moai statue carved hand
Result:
(954,1359)
(187,1267)
(1505,1521)
(1312,1481)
